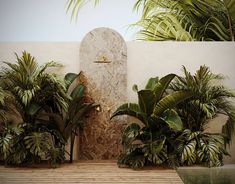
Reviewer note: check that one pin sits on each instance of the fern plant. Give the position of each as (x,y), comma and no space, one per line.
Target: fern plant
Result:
(151,140)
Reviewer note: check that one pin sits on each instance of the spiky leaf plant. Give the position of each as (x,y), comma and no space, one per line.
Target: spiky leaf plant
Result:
(150,140)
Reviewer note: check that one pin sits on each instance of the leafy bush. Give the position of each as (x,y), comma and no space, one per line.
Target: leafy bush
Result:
(210,99)
(150,140)
(201,148)
(48,114)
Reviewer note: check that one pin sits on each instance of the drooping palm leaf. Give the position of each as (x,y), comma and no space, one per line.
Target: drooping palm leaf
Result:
(75,5)
(185,20)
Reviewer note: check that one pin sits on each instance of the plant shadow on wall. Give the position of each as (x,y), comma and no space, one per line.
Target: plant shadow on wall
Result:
(48,113)
(182,20)
(173,112)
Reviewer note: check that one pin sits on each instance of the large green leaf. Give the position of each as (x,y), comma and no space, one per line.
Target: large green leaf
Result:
(130,109)
(131,132)
(172,119)
(189,152)
(78,91)
(152,83)
(162,85)
(146,101)
(39,144)
(69,78)
(171,101)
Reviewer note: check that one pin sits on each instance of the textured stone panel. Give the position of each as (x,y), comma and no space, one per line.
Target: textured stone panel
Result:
(103,60)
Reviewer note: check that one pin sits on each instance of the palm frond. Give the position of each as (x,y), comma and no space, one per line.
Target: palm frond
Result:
(185,20)
(75,6)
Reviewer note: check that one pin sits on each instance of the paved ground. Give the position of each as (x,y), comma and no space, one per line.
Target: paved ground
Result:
(88,172)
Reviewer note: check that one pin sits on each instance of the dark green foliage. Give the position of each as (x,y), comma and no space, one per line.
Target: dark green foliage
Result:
(210,99)
(182,20)
(70,121)
(201,148)
(48,114)
(149,141)
(186,20)
(19,145)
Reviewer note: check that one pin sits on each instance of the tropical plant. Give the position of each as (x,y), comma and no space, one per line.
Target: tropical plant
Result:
(71,121)
(150,141)
(20,145)
(211,98)
(32,91)
(181,20)
(200,148)
(32,87)
(4,110)
(76,5)
(185,20)
(51,112)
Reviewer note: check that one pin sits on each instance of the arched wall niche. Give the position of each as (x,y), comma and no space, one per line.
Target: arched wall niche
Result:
(103,61)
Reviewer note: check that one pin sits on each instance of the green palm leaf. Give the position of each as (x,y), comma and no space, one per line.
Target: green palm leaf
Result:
(171,101)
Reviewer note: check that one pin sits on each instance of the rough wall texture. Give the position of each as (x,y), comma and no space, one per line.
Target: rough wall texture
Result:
(103,59)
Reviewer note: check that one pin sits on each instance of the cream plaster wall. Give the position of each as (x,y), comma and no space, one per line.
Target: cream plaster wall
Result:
(145,60)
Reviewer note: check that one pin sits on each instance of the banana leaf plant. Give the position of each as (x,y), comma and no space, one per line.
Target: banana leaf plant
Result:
(150,140)
(70,121)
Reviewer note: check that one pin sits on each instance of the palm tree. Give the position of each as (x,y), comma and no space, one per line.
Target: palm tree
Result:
(210,99)
(32,88)
(183,20)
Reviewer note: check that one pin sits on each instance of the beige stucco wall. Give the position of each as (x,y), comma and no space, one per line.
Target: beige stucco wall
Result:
(145,60)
